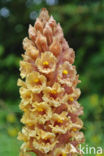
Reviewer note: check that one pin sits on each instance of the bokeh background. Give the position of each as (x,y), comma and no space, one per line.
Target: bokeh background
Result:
(83,25)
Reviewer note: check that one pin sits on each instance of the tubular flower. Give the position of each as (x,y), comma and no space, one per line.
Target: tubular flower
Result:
(54,94)
(48,92)
(46,63)
(35,82)
(66,74)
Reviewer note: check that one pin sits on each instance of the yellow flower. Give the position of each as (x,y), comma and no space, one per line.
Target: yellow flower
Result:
(21,83)
(24,135)
(54,94)
(26,95)
(46,63)
(38,111)
(63,151)
(72,96)
(44,147)
(36,82)
(25,68)
(66,73)
(60,117)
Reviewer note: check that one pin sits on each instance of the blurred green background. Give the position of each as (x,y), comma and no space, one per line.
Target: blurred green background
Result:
(83,25)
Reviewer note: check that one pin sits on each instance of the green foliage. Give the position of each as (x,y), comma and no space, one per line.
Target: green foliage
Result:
(8,145)
(82,22)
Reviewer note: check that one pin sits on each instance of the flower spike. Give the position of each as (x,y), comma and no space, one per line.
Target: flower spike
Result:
(48,92)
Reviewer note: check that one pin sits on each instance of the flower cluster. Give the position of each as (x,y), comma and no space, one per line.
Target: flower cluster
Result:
(48,92)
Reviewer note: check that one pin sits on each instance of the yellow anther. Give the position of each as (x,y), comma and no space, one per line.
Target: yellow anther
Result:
(45,63)
(63,154)
(36,80)
(71,99)
(74,129)
(65,72)
(40,109)
(60,121)
(29,124)
(53,92)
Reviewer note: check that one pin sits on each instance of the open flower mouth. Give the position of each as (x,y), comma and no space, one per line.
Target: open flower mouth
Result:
(53,94)
(66,74)
(41,108)
(46,63)
(35,82)
(62,154)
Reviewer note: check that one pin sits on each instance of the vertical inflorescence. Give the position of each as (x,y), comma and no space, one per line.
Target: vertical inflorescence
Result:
(48,92)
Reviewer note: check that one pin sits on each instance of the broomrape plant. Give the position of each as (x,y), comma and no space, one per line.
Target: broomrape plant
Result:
(49,93)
